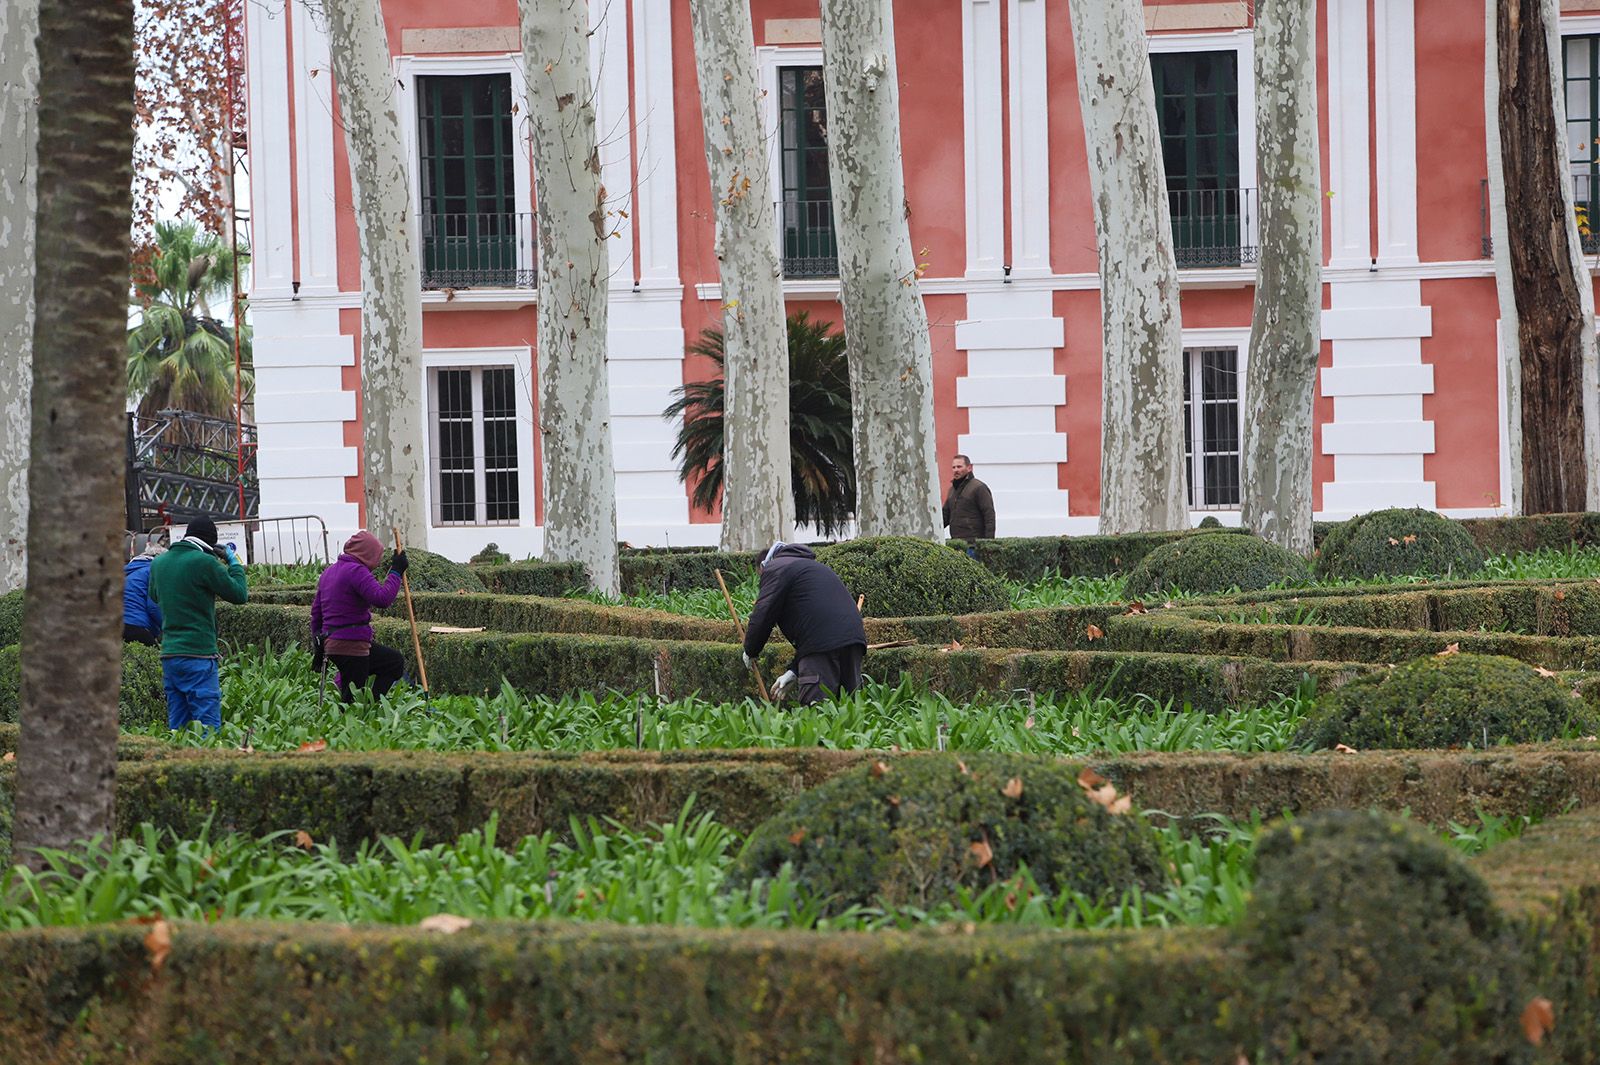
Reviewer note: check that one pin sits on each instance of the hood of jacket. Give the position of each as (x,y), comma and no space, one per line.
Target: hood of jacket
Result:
(788,551)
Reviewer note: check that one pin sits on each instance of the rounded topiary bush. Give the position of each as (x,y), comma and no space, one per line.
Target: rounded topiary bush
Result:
(429,572)
(1206,563)
(1210,521)
(143,700)
(11,618)
(1453,700)
(905,577)
(1370,940)
(914,831)
(1398,542)
(491,555)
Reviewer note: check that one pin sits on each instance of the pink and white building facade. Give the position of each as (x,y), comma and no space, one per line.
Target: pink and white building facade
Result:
(1409,407)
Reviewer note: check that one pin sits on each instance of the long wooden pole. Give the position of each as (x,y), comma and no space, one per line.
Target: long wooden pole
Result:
(739,625)
(411,612)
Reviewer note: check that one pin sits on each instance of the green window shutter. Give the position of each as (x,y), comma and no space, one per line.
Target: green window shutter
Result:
(806,213)
(1197,111)
(470,223)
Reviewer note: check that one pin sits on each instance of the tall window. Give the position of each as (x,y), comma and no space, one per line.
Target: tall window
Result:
(1211,420)
(809,248)
(475,475)
(1581,73)
(471,231)
(1197,108)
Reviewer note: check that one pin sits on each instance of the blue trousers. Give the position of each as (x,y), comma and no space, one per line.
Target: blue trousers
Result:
(194,691)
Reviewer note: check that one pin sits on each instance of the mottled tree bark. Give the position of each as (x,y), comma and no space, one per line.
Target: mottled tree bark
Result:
(1141,430)
(1286,331)
(1500,243)
(580,497)
(757,490)
(72,624)
(19,96)
(886,324)
(1559,376)
(391,313)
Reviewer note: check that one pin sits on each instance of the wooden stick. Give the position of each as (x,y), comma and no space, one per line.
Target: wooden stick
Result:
(861,603)
(739,625)
(411,612)
(891,643)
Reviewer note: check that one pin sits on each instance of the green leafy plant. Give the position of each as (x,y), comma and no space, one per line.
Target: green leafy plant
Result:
(180,354)
(822,454)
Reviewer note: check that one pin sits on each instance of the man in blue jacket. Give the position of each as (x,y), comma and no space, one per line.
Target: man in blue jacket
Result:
(809,602)
(141,616)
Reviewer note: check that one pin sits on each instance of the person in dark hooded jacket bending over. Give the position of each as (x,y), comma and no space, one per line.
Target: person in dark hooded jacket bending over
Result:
(809,602)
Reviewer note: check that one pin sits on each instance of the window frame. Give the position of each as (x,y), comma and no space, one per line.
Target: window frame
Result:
(408,68)
(771,61)
(1194,342)
(1241,42)
(519,361)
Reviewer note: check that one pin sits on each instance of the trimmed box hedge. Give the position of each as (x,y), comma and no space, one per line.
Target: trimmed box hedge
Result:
(581,993)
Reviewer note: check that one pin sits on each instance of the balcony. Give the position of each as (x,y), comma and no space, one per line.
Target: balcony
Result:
(1584,192)
(1215,227)
(807,238)
(467,251)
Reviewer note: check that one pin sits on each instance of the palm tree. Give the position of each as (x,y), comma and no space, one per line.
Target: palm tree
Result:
(180,355)
(822,457)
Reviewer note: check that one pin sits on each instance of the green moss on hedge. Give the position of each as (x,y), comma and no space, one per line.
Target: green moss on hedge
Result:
(905,577)
(916,832)
(1370,940)
(143,699)
(1214,562)
(1457,700)
(1398,542)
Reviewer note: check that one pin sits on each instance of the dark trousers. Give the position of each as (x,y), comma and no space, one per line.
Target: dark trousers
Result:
(384,665)
(826,673)
(139,634)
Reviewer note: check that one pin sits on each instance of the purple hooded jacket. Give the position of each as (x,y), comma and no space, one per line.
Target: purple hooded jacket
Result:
(346,594)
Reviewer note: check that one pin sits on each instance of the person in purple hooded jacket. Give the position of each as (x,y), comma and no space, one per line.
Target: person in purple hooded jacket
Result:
(341,617)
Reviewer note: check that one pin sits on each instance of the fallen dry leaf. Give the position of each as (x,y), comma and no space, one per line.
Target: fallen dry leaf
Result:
(797,837)
(983,852)
(11,756)
(1452,649)
(312,747)
(1028,723)
(1538,1017)
(1088,779)
(1344,748)
(1094,632)
(1121,806)
(963,767)
(1013,788)
(953,645)
(1409,538)
(879,768)
(444,923)
(1136,607)
(158,942)
(303,840)
(1393,542)
(246,749)
(1543,672)
(1560,595)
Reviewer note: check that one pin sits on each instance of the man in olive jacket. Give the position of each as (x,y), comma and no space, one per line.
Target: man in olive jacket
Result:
(186,581)
(969,508)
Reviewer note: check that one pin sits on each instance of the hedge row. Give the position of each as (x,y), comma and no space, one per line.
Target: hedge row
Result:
(360,796)
(556,663)
(502,992)
(640,571)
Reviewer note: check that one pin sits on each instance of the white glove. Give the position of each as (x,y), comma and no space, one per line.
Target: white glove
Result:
(749,663)
(781,685)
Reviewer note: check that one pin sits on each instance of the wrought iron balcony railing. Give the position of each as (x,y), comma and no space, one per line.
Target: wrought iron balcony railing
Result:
(807,236)
(1585,199)
(1215,227)
(479,251)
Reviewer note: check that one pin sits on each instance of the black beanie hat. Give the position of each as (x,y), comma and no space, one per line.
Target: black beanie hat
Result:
(203,529)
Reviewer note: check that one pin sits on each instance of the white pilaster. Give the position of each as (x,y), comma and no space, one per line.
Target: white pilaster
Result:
(657,206)
(272,255)
(1011,392)
(1030,140)
(646,364)
(1395,80)
(983,142)
(301,410)
(1378,436)
(313,116)
(608,58)
(1349,211)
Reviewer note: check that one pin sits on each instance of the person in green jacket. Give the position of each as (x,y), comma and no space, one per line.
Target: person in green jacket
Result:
(186,582)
